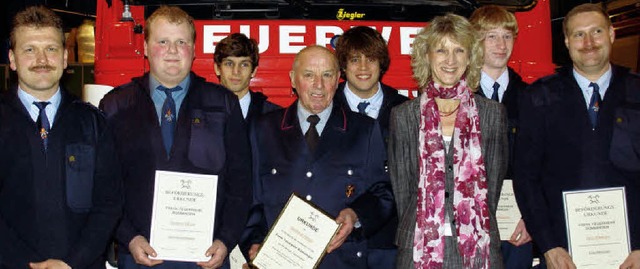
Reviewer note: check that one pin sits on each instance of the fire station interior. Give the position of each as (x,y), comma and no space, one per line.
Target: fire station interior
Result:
(80,17)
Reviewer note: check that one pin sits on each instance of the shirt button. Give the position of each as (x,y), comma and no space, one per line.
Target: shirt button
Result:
(359,254)
(309,174)
(274,171)
(308,197)
(350,172)
(450,168)
(446,194)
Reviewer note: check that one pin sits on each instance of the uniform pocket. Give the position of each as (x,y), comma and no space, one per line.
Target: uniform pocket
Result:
(80,165)
(206,146)
(625,143)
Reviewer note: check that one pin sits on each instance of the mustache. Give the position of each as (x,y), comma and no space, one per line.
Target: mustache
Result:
(42,67)
(591,48)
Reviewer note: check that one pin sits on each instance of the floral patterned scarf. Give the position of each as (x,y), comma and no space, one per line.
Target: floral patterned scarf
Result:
(471,211)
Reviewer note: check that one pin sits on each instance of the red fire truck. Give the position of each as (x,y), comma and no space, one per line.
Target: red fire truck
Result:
(283,27)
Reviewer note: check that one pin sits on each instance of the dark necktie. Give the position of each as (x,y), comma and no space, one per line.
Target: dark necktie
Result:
(362,106)
(168,122)
(594,104)
(43,123)
(494,96)
(312,135)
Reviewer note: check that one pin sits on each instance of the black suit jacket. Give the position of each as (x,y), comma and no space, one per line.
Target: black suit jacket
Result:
(63,204)
(557,151)
(391,98)
(510,101)
(259,105)
(210,138)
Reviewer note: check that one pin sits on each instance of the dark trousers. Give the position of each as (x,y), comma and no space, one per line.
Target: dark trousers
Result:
(517,257)
(381,258)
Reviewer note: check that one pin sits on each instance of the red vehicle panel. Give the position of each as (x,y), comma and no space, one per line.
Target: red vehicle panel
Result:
(120,51)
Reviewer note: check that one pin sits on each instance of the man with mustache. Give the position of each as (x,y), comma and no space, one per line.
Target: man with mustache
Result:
(172,119)
(60,188)
(579,130)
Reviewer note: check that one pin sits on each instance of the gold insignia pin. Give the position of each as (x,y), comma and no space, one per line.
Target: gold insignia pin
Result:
(619,120)
(72,158)
(196,121)
(350,189)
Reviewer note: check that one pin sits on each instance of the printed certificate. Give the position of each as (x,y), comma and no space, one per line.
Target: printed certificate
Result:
(597,227)
(236,259)
(508,215)
(298,238)
(183,215)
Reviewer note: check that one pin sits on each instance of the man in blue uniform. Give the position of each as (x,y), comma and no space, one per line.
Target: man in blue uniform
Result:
(579,131)
(60,188)
(332,157)
(171,119)
(363,58)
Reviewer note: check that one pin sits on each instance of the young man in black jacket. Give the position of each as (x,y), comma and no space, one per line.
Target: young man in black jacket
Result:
(236,60)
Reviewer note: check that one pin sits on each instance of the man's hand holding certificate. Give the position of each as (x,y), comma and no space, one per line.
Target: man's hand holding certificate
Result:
(183,218)
(300,236)
(597,227)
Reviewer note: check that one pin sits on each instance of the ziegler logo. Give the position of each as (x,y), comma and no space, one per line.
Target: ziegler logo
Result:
(347,15)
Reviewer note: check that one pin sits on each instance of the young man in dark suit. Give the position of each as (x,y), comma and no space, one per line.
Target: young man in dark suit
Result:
(171,119)
(236,60)
(579,131)
(236,63)
(364,58)
(60,188)
(498,29)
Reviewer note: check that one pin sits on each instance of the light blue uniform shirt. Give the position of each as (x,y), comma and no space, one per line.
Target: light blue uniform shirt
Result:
(245,101)
(603,83)
(486,84)
(159,96)
(375,101)
(303,114)
(51,109)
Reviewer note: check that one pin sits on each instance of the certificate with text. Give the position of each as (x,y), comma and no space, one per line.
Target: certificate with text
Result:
(298,238)
(508,215)
(597,227)
(236,259)
(183,215)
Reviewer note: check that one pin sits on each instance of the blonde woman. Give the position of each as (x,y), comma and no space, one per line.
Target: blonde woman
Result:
(447,155)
